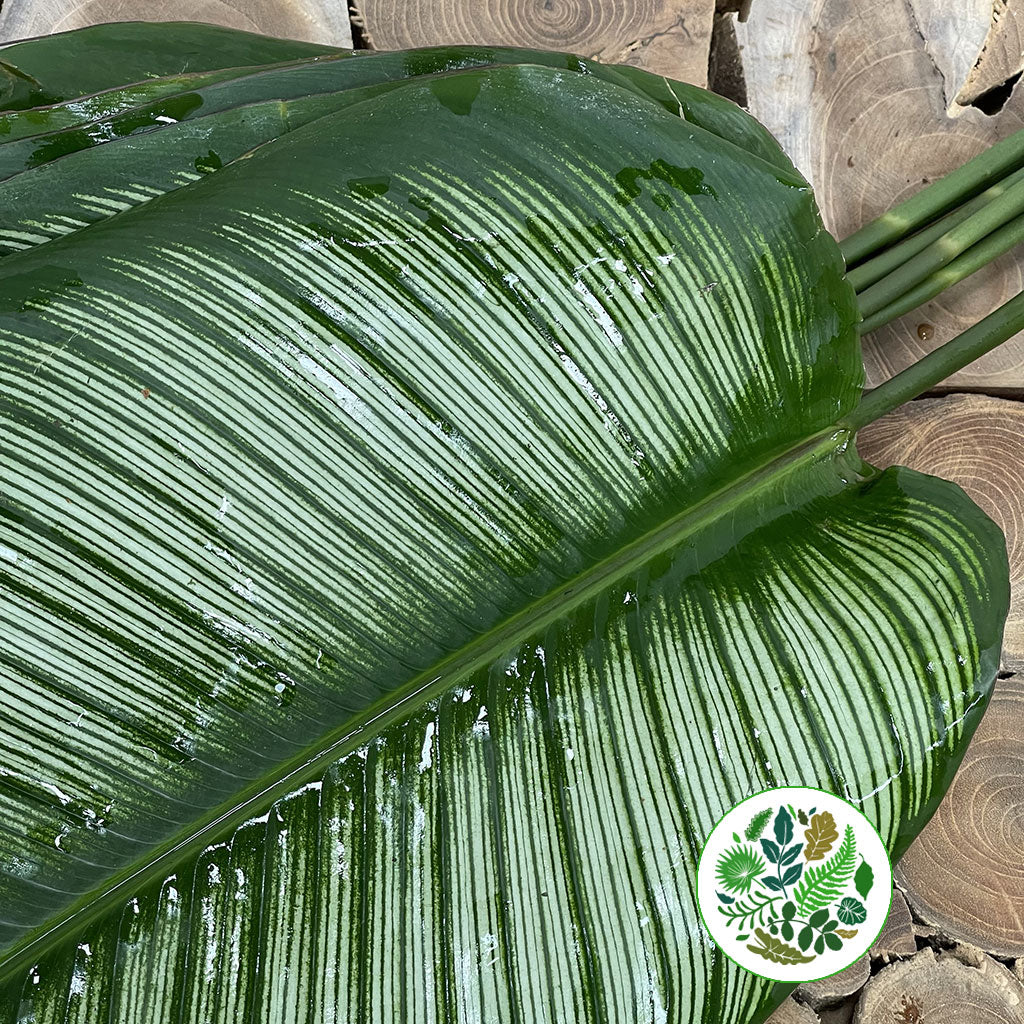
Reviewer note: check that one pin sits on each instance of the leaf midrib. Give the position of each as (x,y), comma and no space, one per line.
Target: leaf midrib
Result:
(257,798)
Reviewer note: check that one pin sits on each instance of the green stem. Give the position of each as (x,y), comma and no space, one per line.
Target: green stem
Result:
(890,259)
(984,336)
(936,199)
(973,260)
(943,250)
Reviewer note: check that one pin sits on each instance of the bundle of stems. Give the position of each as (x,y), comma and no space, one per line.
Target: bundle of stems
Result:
(944,233)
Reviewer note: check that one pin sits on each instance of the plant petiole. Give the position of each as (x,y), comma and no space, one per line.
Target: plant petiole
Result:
(970,262)
(876,268)
(936,199)
(991,217)
(987,334)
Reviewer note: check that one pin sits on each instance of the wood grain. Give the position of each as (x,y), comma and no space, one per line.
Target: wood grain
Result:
(322,21)
(964,874)
(792,1012)
(930,989)
(978,442)
(841,1014)
(669,37)
(897,939)
(832,990)
(1002,53)
(859,93)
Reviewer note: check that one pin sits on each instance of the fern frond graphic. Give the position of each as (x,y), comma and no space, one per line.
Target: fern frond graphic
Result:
(757,826)
(822,885)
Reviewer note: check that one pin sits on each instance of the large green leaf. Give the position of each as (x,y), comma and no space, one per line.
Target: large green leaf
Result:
(415,536)
(74,163)
(59,67)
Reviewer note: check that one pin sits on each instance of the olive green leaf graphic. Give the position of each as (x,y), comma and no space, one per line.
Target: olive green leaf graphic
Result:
(821,885)
(758,824)
(851,911)
(776,950)
(864,879)
(820,836)
(737,868)
(847,933)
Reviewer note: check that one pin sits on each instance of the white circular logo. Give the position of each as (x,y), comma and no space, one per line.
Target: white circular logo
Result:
(794,884)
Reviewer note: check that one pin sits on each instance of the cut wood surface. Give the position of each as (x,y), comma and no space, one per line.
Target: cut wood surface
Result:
(321,21)
(930,989)
(833,990)
(964,874)
(977,442)
(862,95)
(1002,53)
(670,37)
(841,1014)
(897,939)
(792,1012)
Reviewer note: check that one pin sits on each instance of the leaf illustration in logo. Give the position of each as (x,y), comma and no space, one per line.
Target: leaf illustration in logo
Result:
(864,879)
(737,868)
(851,911)
(771,851)
(821,836)
(792,874)
(791,854)
(847,933)
(776,950)
(823,884)
(758,824)
(805,936)
(801,816)
(783,827)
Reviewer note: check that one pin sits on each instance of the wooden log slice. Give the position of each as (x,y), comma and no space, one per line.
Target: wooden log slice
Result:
(898,938)
(965,872)
(669,37)
(941,990)
(830,991)
(862,95)
(1002,53)
(320,21)
(792,1012)
(841,1014)
(977,442)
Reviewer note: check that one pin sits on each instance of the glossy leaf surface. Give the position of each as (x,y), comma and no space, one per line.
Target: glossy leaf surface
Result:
(59,67)
(416,535)
(71,164)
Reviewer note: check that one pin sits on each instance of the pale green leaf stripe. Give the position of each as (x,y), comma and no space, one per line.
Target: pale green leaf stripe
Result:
(277,455)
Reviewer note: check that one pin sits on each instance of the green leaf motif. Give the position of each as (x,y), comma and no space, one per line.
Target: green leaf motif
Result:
(783,828)
(792,874)
(758,824)
(776,950)
(417,530)
(864,879)
(851,911)
(824,884)
(737,868)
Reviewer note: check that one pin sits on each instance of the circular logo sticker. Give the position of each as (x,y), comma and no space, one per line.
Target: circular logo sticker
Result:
(794,884)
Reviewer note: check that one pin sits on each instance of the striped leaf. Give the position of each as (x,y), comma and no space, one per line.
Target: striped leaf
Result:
(69,65)
(74,163)
(414,536)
